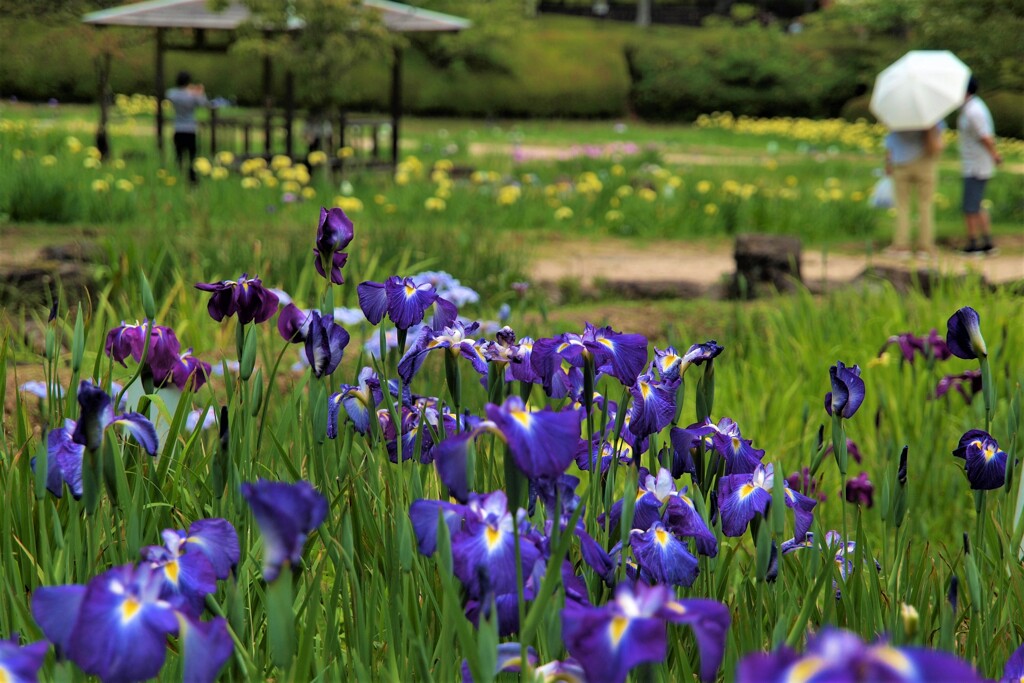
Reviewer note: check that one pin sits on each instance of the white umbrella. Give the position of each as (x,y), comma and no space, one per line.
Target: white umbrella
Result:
(919,89)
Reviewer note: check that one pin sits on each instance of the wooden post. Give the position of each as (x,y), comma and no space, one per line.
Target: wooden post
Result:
(160,92)
(267,103)
(213,131)
(289,115)
(102,140)
(396,104)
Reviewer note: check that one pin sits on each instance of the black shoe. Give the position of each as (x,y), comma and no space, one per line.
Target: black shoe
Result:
(988,249)
(972,249)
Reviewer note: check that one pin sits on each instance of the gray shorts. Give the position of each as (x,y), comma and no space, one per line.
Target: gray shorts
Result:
(974,190)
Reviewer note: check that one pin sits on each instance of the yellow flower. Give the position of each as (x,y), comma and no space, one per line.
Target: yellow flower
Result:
(287,173)
(624,191)
(290,186)
(48,160)
(124,185)
(269,180)
(348,204)
(317,158)
(704,186)
(615,202)
(345,152)
(618,169)
(479,177)
(710,209)
(170,181)
(225,158)
(675,182)
(390,208)
(856,196)
(202,166)
(443,165)
(401,178)
(219,173)
(509,195)
(93,152)
(18,155)
(613,216)
(280,161)
(731,187)
(986,204)
(90,162)
(434,204)
(882,360)
(380,200)
(119,164)
(832,182)
(74,145)
(308,193)
(791,180)
(100,185)
(443,193)
(438,175)
(771,164)
(563,213)
(250,183)
(647,194)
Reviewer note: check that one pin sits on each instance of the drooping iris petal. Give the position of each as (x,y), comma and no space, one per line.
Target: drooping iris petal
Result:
(984,461)
(55,609)
(206,647)
(963,334)
(802,507)
(338,261)
(186,578)
(217,539)
(293,324)
(286,514)
(254,302)
(122,626)
(21,664)
(63,461)
(743,496)
(373,300)
(187,367)
(325,344)
(407,302)
(425,514)
(542,443)
(450,460)
(1013,670)
(697,354)
(142,429)
(222,302)
(653,407)
(663,557)
(125,341)
(860,490)
(710,623)
(509,660)
(624,354)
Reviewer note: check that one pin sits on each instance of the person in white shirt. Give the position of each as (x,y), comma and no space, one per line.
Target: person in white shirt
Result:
(186,98)
(979,158)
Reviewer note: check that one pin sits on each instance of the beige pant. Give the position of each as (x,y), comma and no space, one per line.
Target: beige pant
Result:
(920,175)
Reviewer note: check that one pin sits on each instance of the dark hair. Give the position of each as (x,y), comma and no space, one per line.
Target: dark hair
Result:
(184,78)
(972,85)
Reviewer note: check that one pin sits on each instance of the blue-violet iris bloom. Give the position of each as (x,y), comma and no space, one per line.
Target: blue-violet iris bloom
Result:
(97,413)
(984,461)
(246,297)
(847,391)
(286,514)
(963,334)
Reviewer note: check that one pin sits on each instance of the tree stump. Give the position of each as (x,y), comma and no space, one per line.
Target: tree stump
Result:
(766,262)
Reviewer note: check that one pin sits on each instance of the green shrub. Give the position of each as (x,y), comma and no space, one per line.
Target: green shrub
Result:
(1007,112)
(857,108)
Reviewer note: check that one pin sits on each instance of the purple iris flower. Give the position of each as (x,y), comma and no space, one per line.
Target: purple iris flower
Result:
(838,655)
(556,363)
(404,302)
(724,438)
(192,562)
(860,490)
(186,367)
(130,340)
(852,449)
(21,664)
(847,391)
(455,337)
(968,383)
(509,660)
(603,450)
(804,483)
(963,334)
(246,297)
(424,515)
(543,443)
(1013,671)
(206,648)
(293,324)
(115,627)
(833,541)
(741,497)
(97,413)
(325,344)
(503,350)
(126,341)
(984,461)
(662,557)
(63,461)
(333,234)
(359,400)
(630,630)
(286,514)
(618,354)
(521,369)
(654,405)
(417,422)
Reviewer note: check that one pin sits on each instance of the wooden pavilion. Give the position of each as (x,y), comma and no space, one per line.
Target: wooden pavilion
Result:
(166,16)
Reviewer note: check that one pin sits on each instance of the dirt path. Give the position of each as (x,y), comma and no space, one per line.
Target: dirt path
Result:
(703,265)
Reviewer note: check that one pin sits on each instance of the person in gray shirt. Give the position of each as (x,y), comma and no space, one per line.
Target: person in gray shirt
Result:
(979,157)
(186,98)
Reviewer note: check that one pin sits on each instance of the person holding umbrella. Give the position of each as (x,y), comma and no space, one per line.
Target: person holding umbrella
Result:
(912,160)
(979,158)
(912,96)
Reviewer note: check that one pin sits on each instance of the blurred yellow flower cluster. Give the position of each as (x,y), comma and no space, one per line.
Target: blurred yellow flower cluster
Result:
(136,104)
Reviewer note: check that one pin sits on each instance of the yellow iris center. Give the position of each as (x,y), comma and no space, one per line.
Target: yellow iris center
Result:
(522,417)
(129,608)
(493,537)
(617,629)
(661,536)
(171,571)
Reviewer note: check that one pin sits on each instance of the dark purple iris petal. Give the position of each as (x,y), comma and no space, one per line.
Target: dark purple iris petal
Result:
(22,663)
(96,413)
(325,344)
(217,539)
(963,334)
(338,261)
(984,461)
(803,511)
(125,341)
(206,647)
(860,491)
(425,514)
(698,353)
(619,354)
(188,367)
(334,232)
(286,514)
(847,390)
(63,461)
(710,623)
(542,443)
(222,303)
(55,609)
(653,407)
(373,300)
(663,557)
(246,297)
(293,324)
(407,302)
(741,497)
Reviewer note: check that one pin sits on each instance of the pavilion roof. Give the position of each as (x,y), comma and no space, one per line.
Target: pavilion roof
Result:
(196,14)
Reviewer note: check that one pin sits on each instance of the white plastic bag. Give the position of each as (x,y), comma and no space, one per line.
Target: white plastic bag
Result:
(882,195)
